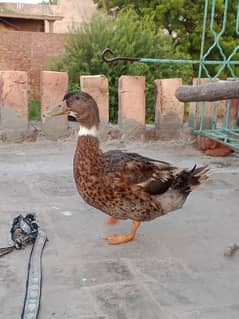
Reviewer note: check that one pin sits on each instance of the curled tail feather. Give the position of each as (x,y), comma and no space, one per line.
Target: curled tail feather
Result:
(186,180)
(201,174)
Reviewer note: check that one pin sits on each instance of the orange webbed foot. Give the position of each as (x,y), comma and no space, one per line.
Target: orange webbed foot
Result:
(122,239)
(118,239)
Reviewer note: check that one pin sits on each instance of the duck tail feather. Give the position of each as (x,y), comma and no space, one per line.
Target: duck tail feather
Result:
(187,180)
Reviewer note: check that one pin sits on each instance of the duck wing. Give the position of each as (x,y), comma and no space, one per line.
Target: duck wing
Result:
(153,176)
(116,157)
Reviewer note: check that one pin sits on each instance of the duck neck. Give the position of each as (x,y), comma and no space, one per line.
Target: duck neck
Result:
(88,156)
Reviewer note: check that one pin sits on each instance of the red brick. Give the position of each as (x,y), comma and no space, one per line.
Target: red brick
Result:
(14,99)
(222,150)
(166,101)
(169,112)
(234,113)
(209,107)
(53,88)
(211,147)
(97,86)
(131,100)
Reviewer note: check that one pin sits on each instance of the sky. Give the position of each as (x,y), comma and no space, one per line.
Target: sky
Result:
(22,1)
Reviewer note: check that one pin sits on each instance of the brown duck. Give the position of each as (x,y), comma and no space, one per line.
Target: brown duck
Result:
(123,185)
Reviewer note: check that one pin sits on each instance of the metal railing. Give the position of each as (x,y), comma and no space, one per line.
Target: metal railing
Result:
(226,129)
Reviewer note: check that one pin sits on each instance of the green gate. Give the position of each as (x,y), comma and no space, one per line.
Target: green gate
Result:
(214,120)
(226,129)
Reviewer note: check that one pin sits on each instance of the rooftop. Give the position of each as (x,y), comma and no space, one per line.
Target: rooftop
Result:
(30,16)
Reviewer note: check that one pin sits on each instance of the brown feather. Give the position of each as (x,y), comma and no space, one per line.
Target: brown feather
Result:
(152,175)
(125,185)
(107,189)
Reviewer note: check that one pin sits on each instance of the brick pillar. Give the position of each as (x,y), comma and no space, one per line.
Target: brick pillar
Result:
(209,106)
(234,113)
(53,88)
(233,123)
(169,112)
(97,86)
(13,100)
(131,102)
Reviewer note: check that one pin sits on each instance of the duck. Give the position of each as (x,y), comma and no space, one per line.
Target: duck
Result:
(121,184)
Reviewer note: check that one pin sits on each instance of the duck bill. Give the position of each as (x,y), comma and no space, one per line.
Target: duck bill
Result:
(60,109)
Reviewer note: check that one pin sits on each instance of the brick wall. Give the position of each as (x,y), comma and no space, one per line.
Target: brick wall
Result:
(29,51)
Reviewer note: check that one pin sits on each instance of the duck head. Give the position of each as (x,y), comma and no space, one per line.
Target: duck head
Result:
(82,106)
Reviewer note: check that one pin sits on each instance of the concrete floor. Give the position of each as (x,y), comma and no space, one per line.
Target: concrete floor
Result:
(175,268)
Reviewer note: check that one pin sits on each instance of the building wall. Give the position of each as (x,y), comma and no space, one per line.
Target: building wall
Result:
(72,11)
(25,24)
(29,51)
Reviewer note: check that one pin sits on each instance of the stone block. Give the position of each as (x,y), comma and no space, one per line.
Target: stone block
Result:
(131,103)
(98,87)
(53,88)
(13,100)
(169,112)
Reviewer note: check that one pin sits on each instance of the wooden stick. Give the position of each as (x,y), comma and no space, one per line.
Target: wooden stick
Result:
(221,90)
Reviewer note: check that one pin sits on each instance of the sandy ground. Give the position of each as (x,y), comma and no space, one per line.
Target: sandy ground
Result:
(175,268)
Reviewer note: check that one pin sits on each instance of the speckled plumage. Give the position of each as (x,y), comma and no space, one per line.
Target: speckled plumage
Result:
(124,185)
(112,186)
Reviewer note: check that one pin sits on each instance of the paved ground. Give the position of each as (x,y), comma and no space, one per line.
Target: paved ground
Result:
(174,269)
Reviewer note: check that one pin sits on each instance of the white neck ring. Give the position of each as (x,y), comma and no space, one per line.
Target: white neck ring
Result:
(84,131)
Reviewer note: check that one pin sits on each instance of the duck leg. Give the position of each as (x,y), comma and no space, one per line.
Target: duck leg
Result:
(112,220)
(121,239)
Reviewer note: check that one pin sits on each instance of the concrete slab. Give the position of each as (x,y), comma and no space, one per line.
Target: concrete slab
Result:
(175,268)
